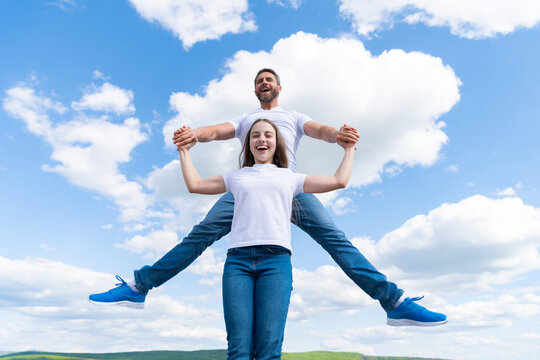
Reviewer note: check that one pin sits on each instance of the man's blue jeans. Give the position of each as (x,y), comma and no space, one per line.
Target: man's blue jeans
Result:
(308,214)
(257,285)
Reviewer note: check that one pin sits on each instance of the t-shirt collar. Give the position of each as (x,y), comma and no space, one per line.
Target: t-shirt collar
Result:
(262,166)
(274,108)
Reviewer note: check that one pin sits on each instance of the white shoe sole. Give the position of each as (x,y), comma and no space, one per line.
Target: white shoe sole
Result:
(408,322)
(129,304)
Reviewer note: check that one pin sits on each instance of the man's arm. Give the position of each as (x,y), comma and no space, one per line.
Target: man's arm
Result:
(330,134)
(186,135)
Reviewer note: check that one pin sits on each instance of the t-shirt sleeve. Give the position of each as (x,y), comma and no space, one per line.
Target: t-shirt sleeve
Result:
(227,180)
(301,120)
(236,122)
(299,180)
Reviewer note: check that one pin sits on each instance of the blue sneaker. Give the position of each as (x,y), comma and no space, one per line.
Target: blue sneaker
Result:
(408,313)
(121,295)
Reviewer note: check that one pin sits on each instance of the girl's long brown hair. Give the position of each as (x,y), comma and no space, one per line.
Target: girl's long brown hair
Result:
(280,159)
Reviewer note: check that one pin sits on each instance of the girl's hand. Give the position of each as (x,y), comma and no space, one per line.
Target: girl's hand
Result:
(347,137)
(184,138)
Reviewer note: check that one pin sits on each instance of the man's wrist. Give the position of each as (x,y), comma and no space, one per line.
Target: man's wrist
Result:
(335,135)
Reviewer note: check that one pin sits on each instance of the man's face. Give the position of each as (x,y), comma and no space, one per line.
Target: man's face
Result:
(266,87)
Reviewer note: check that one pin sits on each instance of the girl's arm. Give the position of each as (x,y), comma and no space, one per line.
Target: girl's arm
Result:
(321,183)
(209,186)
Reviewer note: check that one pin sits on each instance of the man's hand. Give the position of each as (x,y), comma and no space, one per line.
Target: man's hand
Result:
(184,138)
(347,136)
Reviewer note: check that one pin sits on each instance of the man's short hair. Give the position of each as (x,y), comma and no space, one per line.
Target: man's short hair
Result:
(271,71)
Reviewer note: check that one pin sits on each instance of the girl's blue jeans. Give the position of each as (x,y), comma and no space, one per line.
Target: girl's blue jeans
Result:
(308,214)
(257,285)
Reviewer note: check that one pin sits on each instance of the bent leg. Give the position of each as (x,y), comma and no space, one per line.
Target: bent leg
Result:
(215,225)
(310,215)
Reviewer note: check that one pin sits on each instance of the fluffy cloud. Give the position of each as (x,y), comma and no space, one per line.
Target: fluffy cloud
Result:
(167,185)
(394,99)
(469,19)
(471,245)
(509,191)
(193,21)
(24,103)
(107,98)
(87,150)
(35,289)
(475,245)
(471,324)
(334,291)
(500,311)
(156,243)
(152,244)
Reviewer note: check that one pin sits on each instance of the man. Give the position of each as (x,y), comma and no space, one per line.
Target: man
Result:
(308,214)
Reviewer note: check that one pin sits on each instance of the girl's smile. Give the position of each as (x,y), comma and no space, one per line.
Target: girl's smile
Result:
(262,143)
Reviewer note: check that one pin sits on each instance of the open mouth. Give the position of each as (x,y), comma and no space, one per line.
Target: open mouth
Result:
(262,148)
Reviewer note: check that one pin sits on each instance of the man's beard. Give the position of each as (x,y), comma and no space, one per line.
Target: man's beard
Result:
(268,96)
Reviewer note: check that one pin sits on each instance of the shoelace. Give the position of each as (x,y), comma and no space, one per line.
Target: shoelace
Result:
(122,281)
(415,299)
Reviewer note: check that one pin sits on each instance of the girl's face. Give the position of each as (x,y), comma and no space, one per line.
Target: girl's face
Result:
(262,142)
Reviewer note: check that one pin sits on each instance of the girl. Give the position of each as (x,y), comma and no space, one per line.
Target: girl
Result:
(257,278)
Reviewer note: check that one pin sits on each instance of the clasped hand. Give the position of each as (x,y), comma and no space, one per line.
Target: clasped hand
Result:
(347,137)
(184,138)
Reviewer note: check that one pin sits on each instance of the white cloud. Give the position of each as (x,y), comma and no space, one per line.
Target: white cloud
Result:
(46,247)
(509,191)
(44,300)
(156,243)
(99,75)
(500,311)
(107,98)
(356,339)
(451,169)
(532,336)
(65,5)
(394,100)
(153,244)
(87,150)
(334,292)
(295,4)
(342,205)
(167,184)
(209,263)
(469,19)
(471,245)
(193,21)
(24,103)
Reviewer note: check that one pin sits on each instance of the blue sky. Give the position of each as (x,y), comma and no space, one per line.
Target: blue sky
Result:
(444,195)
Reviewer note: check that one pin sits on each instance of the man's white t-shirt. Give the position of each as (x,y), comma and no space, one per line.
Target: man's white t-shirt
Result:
(289,123)
(263,196)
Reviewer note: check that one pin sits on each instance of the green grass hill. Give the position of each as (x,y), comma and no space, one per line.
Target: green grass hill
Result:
(192,355)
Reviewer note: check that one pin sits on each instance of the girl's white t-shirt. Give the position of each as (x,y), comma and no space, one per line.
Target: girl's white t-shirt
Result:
(263,196)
